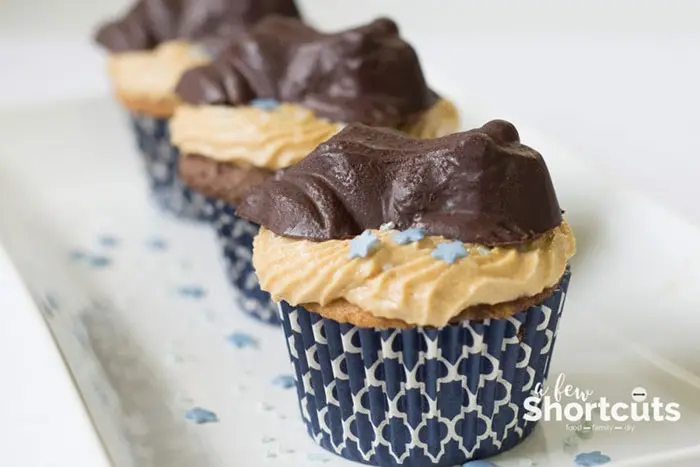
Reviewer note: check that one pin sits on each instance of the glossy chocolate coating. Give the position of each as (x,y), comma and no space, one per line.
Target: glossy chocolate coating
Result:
(210,22)
(480,186)
(366,74)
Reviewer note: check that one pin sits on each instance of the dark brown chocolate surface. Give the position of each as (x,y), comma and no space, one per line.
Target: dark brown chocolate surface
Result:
(480,186)
(210,22)
(367,74)
(220,180)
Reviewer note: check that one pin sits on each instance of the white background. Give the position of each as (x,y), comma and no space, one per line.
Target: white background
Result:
(615,81)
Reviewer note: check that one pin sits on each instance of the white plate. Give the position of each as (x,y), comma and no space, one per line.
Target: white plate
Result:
(142,353)
(31,364)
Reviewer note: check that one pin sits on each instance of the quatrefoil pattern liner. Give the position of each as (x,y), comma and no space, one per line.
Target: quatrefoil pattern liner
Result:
(421,396)
(235,237)
(150,46)
(160,160)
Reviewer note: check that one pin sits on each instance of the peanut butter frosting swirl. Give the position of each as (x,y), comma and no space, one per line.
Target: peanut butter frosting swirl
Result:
(406,282)
(275,138)
(151,76)
(272,139)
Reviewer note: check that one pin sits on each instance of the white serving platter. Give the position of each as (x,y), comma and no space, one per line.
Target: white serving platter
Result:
(114,279)
(43,417)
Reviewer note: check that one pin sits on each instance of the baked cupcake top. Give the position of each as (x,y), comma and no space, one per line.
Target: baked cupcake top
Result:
(367,74)
(377,226)
(211,22)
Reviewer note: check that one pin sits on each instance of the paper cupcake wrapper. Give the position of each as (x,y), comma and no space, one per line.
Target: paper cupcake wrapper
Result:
(153,140)
(236,238)
(422,396)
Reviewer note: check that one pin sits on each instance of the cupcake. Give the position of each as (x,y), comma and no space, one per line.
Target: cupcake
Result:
(420,283)
(274,95)
(150,47)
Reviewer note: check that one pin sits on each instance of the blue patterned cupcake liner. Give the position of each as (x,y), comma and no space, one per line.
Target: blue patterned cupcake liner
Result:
(161,158)
(236,237)
(422,396)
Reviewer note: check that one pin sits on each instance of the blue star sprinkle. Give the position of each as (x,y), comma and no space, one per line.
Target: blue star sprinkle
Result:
(479,463)
(191,291)
(241,340)
(362,245)
(387,226)
(284,381)
(483,250)
(265,104)
(450,252)
(77,255)
(409,235)
(591,459)
(92,260)
(200,415)
(156,244)
(99,261)
(108,241)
